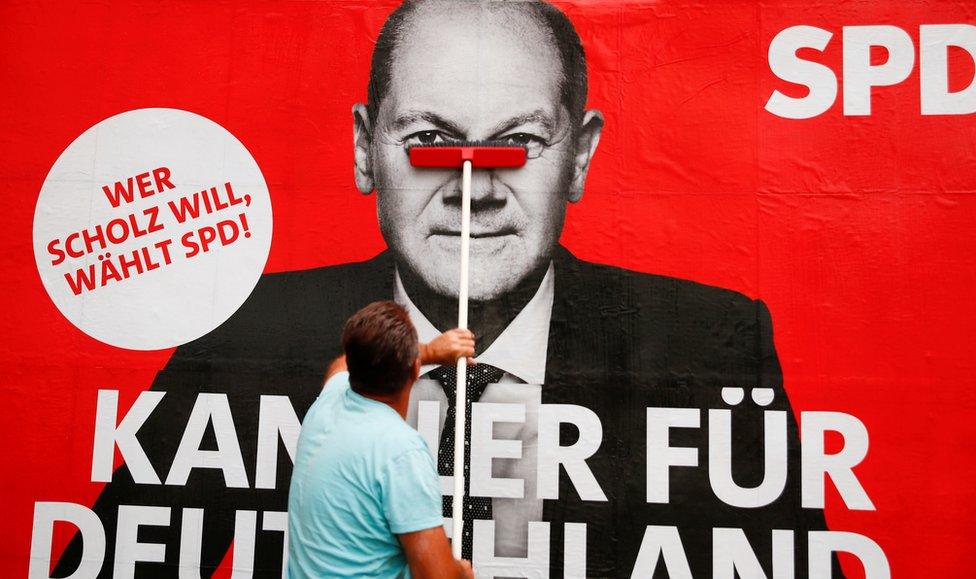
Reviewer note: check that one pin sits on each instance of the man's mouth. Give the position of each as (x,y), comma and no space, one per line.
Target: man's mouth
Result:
(474,234)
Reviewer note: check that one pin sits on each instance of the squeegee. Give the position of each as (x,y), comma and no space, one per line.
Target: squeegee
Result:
(468,156)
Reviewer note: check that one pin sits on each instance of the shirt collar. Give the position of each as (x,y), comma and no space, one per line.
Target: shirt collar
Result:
(521,348)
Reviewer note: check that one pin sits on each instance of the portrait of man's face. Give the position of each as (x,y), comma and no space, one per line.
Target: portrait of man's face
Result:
(474,71)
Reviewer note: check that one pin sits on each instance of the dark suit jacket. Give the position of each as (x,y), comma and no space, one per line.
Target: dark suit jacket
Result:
(619,342)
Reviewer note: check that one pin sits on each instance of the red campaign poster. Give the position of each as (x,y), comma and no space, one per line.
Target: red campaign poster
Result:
(728,298)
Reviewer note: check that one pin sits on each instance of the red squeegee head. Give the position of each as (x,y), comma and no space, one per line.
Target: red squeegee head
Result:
(482,154)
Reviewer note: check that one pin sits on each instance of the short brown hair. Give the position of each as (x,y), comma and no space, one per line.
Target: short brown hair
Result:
(381,348)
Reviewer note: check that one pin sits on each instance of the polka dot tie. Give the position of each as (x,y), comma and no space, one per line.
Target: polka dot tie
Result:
(479,376)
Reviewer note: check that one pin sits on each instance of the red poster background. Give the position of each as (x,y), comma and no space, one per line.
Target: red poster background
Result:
(858,232)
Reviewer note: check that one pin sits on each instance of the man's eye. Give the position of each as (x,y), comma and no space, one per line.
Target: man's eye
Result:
(533,144)
(522,139)
(424,138)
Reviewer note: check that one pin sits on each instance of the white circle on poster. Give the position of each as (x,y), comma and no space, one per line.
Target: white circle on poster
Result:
(152,228)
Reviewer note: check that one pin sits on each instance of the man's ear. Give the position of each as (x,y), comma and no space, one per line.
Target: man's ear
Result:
(362,138)
(587,138)
(414,375)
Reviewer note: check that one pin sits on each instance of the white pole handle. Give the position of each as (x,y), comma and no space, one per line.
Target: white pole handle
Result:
(457,514)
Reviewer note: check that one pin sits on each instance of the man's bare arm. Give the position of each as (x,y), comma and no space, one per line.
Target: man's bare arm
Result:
(444,350)
(429,556)
(448,347)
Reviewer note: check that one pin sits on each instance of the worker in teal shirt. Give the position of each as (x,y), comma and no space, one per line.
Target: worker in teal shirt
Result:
(365,498)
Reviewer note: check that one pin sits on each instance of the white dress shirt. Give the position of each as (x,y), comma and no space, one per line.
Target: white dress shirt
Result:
(519,351)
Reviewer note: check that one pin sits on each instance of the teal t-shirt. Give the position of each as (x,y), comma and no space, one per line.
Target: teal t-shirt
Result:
(362,476)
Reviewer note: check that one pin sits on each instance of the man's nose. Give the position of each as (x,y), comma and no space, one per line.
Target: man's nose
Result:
(486,188)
